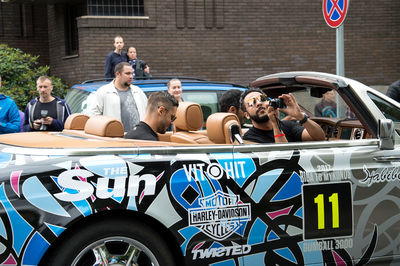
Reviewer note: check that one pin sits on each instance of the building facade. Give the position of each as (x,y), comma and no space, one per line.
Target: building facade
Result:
(233,41)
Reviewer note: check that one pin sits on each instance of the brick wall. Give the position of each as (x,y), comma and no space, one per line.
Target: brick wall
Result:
(30,37)
(69,68)
(236,41)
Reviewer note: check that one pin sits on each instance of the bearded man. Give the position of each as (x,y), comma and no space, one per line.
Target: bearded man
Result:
(267,128)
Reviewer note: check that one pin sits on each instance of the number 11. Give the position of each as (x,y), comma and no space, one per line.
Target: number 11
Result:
(334,200)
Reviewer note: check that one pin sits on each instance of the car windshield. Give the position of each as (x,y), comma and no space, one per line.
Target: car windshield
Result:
(330,105)
(77,100)
(388,110)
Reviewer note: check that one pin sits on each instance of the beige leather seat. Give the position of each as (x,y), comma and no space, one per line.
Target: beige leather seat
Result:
(76,121)
(189,118)
(104,126)
(219,127)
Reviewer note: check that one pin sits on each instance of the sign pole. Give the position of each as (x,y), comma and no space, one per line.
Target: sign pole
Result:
(339,61)
(340,51)
(334,12)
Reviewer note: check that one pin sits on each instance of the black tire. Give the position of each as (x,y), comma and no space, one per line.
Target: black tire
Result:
(120,238)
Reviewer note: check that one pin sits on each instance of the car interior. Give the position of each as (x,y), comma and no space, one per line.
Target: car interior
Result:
(80,131)
(308,91)
(221,128)
(187,127)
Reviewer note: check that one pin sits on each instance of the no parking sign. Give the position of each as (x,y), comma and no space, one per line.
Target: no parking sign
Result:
(335,11)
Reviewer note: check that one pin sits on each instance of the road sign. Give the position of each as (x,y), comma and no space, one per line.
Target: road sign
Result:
(335,11)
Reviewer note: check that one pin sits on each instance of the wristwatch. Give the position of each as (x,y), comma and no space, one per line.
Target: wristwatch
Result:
(305,118)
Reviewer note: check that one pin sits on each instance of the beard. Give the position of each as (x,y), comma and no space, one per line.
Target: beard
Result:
(259,119)
(162,127)
(127,84)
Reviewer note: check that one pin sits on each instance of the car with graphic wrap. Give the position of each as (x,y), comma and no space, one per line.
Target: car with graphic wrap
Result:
(86,196)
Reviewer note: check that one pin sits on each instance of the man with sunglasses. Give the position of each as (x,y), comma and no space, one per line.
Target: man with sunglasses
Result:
(160,113)
(267,128)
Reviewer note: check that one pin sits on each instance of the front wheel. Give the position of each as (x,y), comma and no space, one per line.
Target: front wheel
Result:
(112,242)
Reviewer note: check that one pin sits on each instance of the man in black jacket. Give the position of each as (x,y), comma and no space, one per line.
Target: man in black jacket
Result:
(114,57)
(46,112)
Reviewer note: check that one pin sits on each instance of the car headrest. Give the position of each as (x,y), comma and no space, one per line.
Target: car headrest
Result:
(189,117)
(76,121)
(218,127)
(104,126)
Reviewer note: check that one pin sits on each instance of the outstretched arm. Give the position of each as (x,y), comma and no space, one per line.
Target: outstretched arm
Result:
(312,130)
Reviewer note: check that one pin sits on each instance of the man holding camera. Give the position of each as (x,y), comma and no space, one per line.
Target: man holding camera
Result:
(46,112)
(267,128)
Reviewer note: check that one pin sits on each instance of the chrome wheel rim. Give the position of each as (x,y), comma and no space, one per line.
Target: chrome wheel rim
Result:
(115,251)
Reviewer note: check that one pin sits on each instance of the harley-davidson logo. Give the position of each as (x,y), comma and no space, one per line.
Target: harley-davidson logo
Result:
(220,215)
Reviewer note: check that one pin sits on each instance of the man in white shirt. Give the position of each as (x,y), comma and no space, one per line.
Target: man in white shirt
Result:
(121,99)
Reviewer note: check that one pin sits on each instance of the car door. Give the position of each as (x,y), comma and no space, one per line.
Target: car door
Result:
(320,203)
(203,185)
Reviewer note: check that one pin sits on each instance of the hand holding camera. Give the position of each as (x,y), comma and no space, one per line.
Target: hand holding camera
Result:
(292,109)
(43,115)
(277,103)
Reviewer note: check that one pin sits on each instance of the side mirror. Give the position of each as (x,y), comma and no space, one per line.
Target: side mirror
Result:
(386,133)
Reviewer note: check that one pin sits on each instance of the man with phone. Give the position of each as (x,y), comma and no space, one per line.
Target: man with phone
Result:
(46,112)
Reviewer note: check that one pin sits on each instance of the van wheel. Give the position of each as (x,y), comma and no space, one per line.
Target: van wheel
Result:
(112,242)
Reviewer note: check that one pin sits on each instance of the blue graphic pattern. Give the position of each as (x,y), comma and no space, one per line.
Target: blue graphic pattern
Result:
(188,233)
(36,247)
(57,230)
(21,229)
(264,182)
(291,189)
(257,232)
(5,159)
(286,253)
(38,196)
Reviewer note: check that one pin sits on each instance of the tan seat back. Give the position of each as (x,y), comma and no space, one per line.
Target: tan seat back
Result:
(219,127)
(76,121)
(104,126)
(189,118)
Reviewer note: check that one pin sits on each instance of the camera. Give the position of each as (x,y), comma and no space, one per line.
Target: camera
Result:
(43,114)
(277,103)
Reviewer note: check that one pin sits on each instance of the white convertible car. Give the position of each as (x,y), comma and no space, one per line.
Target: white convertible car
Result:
(86,196)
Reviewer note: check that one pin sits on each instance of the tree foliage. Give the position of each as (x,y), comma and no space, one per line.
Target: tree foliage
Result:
(19,72)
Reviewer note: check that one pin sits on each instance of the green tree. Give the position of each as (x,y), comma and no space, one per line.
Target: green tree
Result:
(19,72)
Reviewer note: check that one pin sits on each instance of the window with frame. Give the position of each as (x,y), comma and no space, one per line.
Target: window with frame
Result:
(71,13)
(389,110)
(116,7)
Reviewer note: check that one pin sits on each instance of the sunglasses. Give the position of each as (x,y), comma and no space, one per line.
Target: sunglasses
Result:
(260,98)
(173,117)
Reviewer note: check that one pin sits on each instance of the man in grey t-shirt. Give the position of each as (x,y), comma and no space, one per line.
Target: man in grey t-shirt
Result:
(120,99)
(129,113)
